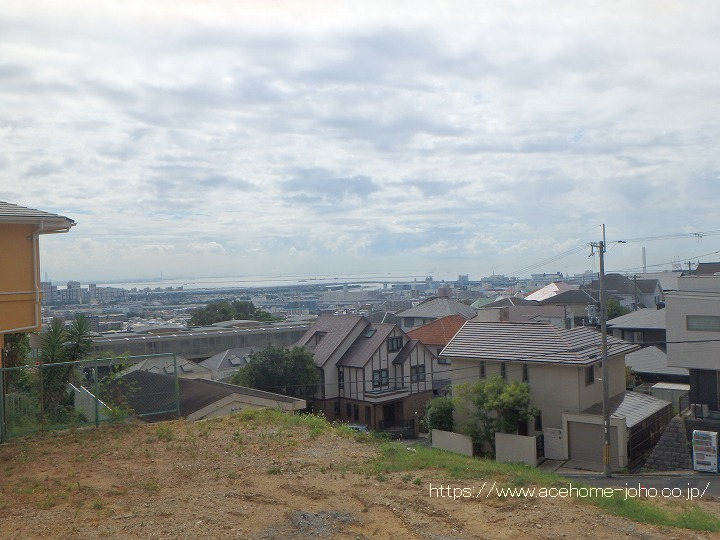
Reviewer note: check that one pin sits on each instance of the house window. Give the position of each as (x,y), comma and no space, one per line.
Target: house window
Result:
(589,375)
(482,370)
(503,370)
(356,412)
(380,377)
(417,373)
(341,380)
(348,410)
(538,422)
(703,323)
(395,343)
(525,374)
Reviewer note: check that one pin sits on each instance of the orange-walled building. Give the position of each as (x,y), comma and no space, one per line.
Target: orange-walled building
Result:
(20,297)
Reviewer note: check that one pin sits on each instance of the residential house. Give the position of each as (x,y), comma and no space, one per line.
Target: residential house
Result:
(432,309)
(556,315)
(223,365)
(435,336)
(371,373)
(650,365)
(153,397)
(580,305)
(632,293)
(20,289)
(562,370)
(550,290)
(693,338)
(169,365)
(644,326)
(707,268)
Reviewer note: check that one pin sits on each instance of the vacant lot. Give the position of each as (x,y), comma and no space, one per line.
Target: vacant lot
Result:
(266,475)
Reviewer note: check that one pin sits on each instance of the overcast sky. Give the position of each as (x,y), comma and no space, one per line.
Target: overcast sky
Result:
(224,138)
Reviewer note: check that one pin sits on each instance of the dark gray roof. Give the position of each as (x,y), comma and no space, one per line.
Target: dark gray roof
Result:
(165,364)
(530,342)
(668,280)
(579,296)
(614,283)
(228,359)
(642,319)
(383,317)
(364,347)
(647,285)
(707,268)
(632,406)
(153,394)
(435,308)
(13,213)
(404,353)
(510,301)
(335,328)
(652,360)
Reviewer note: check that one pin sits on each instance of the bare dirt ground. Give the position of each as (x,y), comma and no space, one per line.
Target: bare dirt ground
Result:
(228,478)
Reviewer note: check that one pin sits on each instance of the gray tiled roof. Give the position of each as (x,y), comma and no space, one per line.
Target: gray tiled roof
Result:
(645,319)
(707,268)
(434,308)
(633,406)
(335,328)
(652,360)
(364,347)
(530,342)
(579,296)
(228,359)
(510,301)
(13,213)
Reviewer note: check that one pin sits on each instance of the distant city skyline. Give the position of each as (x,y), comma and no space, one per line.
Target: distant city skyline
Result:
(224,138)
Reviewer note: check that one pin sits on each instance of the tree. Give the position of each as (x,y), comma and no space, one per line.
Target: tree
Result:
(614,309)
(291,372)
(224,311)
(16,350)
(495,405)
(439,414)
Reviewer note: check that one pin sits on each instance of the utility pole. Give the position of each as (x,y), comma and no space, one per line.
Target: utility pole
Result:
(600,246)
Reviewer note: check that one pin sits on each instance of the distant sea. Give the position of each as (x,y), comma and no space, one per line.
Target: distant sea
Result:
(263,281)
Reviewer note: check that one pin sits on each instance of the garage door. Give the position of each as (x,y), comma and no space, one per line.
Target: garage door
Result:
(586,443)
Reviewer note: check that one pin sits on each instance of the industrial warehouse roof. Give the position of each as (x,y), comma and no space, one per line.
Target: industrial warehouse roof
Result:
(633,406)
(530,342)
(438,332)
(13,213)
(645,319)
(435,308)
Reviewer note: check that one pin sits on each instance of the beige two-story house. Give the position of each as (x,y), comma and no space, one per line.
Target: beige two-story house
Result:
(563,371)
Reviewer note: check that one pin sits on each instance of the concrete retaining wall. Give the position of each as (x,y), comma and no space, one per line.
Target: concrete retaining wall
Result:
(516,448)
(452,442)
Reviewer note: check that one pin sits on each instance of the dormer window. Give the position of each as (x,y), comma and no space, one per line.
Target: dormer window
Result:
(370,332)
(395,343)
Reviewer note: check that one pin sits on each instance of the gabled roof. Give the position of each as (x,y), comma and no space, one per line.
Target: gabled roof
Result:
(166,365)
(334,329)
(365,345)
(668,280)
(531,342)
(404,353)
(652,360)
(549,290)
(510,301)
(642,319)
(228,359)
(438,332)
(435,308)
(579,296)
(707,268)
(647,286)
(13,213)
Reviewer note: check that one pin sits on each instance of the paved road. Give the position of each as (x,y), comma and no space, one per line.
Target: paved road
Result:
(699,483)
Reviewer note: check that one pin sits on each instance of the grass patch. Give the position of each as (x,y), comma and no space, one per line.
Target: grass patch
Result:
(396,457)
(165,433)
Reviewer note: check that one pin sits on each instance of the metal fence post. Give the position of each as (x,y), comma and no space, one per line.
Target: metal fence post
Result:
(42,397)
(177,385)
(96,391)
(2,405)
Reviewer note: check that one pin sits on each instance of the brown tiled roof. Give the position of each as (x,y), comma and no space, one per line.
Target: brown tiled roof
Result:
(336,328)
(530,342)
(364,347)
(438,332)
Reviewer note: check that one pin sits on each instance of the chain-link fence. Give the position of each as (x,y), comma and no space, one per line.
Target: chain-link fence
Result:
(44,397)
